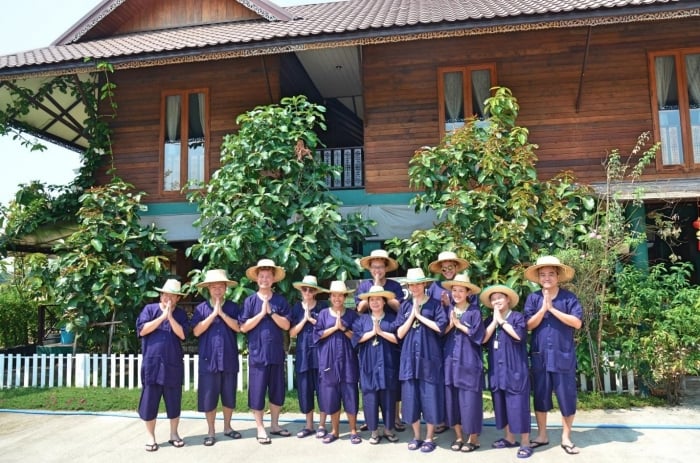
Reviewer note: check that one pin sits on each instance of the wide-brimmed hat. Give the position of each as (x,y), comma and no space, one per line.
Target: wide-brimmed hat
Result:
(216,276)
(566,273)
(462,279)
(485,295)
(171,286)
(308,281)
(377,291)
(338,286)
(252,272)
(448,256)
(391,264)
(416,275)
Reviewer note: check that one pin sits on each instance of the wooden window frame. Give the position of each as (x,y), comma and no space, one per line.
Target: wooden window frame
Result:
(184,124)
(683,108)
(466,91)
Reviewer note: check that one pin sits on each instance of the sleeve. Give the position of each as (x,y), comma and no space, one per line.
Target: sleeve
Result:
(532,305)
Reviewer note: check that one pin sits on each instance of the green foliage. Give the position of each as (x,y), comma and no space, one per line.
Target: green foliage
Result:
(18,317)
(656,319)
(107,267)
(270,199)
(482,183)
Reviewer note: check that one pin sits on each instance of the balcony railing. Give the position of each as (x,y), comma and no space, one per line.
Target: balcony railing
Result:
(351,159)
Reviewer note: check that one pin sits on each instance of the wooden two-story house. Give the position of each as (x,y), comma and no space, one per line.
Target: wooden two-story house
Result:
(590,76)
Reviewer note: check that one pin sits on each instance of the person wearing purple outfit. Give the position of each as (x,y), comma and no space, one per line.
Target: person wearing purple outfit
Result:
(506,339)
(379,363)
(378,263)
(338,367)
(448,265)
(464,368)
(304,315)
(265,318)
(553,315)
(162,326)
(420,324)
(215,323)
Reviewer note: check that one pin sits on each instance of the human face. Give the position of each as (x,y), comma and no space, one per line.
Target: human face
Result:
(376,303)
(217,290)
(337,301)
(377,268)
(459,294)
(169,299)
(449,269)
(548,277)
(499,301)
(266,277)
(308,293)
(417,290)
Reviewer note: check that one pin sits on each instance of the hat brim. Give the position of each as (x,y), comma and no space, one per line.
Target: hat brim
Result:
(161,290)
(229,283)
(485,295)
(252,272)
(566,273)
(391,264)
(388,295)
(300,284)
(435,266)
(471,286)
(418,281)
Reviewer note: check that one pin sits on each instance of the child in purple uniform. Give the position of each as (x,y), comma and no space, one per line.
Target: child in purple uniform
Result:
(420,324)
(265,318)
(464,368)
(379,362)
(337,363)
(553,315)
(162,326)
(215,323)
(506,339)
(304,315)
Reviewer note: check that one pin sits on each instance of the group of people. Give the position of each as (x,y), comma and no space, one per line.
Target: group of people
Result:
(414,358)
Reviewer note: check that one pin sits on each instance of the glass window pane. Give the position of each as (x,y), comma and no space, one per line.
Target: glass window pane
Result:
(692,69)
(454,100)
(669,115)
(172,145)
(481,88)
(195,145)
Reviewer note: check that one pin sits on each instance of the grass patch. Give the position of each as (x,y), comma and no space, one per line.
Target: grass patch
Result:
(105,399)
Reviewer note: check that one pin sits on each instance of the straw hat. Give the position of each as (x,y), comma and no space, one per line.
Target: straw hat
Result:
(416,275)
(377,291)
(448,256)
(308,281)
(216,276)
(171,286)
(566,273)
(485,296)
(339,287)
(391,264)
(462,279)
(252,272)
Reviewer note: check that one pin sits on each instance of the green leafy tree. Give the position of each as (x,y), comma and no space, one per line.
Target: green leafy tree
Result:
(108,267)
(270,199)
(493,211)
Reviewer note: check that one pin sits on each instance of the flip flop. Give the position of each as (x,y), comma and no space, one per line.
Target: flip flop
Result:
(391,437)
(329,438)
(456,445)
(400,426)
(305,433)
(264,440)
(282,432)
(151,447)
(470,447)
(233,434)
(570,449)
(177,443)
(374,440)
(209,441)
(440,428)
(504,444)
(534,444)
(525,452)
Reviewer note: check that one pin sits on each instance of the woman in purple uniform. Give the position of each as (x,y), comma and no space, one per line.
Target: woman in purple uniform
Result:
(464,368)
(506,339)
(162,326)
(379,362)
(420,324)
(304,315)
(337,363)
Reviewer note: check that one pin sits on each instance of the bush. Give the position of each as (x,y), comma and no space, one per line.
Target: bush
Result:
(18,318)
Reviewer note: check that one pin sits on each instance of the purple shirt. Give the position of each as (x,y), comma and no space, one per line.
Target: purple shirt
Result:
(552,345)
(464,367)
(379,358)
(390,285)
(218,345)
(337,360)
(161,348)
(306,357)
(508,366)
(266,340)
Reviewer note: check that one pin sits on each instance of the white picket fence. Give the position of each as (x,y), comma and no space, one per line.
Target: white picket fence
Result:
(122,371)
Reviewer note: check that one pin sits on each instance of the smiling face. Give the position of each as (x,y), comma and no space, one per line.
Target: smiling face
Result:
(448,269)
(417,290)
(216,290)
(169,299)
(377,268)
(308,293)
(499,301)
(548,277)
(376,303)
(265,278)
(459,294)
(337,301)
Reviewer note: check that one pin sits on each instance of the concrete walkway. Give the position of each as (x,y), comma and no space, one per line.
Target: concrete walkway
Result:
(616,436)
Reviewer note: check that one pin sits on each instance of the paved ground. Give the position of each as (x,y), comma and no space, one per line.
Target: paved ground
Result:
(645,435)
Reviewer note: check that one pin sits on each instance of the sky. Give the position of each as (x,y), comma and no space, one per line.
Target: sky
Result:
(27,25)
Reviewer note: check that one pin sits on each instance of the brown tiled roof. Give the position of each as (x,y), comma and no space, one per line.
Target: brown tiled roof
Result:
(361,21)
